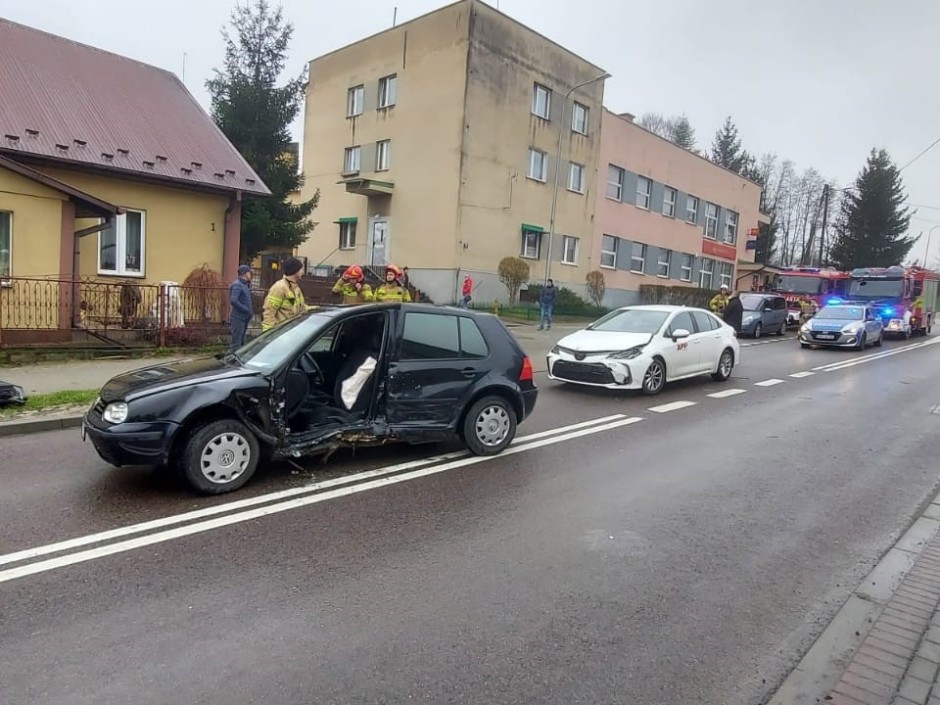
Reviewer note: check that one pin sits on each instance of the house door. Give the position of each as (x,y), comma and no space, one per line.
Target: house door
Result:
(378,243)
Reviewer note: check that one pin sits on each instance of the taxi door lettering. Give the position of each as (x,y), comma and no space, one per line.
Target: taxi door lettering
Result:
(682,346)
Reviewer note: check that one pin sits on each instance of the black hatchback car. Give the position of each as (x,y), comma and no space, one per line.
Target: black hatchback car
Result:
(333,377)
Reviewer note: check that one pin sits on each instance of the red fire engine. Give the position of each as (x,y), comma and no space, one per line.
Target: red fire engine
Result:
(819,284)
(905,297)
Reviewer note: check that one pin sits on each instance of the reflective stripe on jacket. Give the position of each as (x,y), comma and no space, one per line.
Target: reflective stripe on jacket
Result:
(350,295)
(392,292)
(284,301)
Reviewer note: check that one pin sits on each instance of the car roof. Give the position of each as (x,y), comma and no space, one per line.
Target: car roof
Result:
(661,308)
(341,309)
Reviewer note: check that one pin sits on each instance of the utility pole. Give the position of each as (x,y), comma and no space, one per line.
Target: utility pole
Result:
(822,235)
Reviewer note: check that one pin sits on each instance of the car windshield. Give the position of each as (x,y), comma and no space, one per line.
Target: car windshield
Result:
(631,320)
(751,302)
(877,288)
(270,350)
(842,313)
(794,284)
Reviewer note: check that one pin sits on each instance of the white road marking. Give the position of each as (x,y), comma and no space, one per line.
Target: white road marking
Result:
(801,375)
(673,406)
(768,383)
(727,393)
(239,517)
(272,497)
(833,366)
(768,342)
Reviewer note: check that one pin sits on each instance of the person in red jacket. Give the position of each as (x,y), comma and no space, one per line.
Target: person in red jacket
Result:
(466,292)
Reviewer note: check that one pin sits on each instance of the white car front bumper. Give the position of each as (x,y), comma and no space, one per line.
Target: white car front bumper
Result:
(597,370)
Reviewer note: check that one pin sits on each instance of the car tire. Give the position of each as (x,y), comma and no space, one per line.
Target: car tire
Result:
(219,457)
(783,329)
(654,379)
(877,343)
(757,331)
(489,426)
(862,342)
(804,345)
(725,367)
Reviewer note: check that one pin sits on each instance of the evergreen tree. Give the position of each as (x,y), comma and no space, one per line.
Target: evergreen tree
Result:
(682,133)
(726,148)
(255,114)
(871,229)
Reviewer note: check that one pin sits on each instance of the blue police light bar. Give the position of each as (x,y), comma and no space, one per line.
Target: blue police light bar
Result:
(887,311)
(833,302)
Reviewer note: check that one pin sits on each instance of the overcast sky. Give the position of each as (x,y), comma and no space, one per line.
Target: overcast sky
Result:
(818,82)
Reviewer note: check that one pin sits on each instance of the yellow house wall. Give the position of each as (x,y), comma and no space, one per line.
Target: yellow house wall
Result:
(183,230)
(37,224)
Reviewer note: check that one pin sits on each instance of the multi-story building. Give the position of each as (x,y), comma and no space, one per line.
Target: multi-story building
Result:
(434,145)
(667,215)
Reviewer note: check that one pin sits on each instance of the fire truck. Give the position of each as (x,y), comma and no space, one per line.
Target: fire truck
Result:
(905,297)
(818,283)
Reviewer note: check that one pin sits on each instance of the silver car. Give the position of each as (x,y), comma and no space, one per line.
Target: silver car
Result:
(843,326)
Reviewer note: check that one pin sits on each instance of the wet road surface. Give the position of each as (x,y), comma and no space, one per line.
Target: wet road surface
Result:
(688,548)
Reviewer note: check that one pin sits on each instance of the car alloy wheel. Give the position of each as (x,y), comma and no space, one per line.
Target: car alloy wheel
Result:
(783,328)
(225,457)
(655,378)
(219,456)
(725,366)
(757,331)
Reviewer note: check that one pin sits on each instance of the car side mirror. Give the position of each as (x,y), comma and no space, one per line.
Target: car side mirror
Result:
(680,334)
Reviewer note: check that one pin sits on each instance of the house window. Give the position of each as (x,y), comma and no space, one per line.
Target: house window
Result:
(705,276)
(615,178)
(6,245)
(638,257)
(383,155)
(569,254)
(579,118)
(576,177)
(531,242)
(685,268)
(355,100)
(662,264)
(609,252)
(541,101)
(347,235)
(538,165)
(388,91)
(669,201)
(351,160)
(731,227)
(691,210)
(726,273)
(644,188)
(121,245)
(711,221)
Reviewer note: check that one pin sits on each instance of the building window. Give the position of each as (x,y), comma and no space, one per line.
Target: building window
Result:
(691,210)
(726,273)
(383,155)
(121,245)
(6,245)
(541,101)
(609,252)
(388,91)
(644,188)
(685,268)
(538,165)
(662,264)
(351,160)
(638,257)
(669,201)
(705,275)
(711,221)
(731,227)
(347,235)
(355,100)
(579,118)
(615,177)
(531,243)
(576,177)
(569,254)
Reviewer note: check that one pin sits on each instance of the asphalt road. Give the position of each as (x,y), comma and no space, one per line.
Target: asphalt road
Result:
(685,554)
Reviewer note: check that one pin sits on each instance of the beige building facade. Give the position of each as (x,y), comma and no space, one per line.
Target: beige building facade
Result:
(434,145)
(667,216)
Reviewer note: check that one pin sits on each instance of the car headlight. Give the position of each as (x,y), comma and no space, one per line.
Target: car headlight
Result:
(805,328)
(627,354)
(852,328)
(749,319)
(555,351)
(115,412)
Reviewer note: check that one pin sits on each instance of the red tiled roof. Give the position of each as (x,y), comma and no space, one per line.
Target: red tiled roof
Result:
(69,102)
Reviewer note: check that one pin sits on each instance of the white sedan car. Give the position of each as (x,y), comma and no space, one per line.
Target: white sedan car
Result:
(644,347)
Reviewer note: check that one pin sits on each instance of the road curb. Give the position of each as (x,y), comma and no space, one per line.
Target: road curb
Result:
(21,428)
(824,664)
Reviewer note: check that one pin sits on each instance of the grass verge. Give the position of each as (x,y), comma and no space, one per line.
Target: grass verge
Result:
(42,402)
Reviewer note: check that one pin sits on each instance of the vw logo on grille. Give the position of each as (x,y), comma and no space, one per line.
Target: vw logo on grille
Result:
(579,356)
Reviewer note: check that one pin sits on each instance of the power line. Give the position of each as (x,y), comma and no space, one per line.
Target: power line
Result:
(921,205)
(932,145)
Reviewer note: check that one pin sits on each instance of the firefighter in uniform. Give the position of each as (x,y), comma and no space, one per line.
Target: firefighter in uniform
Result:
(285,299)
(807,308)
(353,287)
(392,289)
(719,301)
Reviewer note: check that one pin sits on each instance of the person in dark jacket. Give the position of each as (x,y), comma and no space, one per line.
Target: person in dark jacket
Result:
(547,304)
(734,312)
(240,298)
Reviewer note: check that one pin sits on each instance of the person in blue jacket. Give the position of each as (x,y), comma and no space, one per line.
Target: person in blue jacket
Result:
(240,297)
(547,304)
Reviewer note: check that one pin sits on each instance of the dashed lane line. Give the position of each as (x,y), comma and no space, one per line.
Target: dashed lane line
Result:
(726,393)
(673,406)
(802,375)
(768,342)
(768,383)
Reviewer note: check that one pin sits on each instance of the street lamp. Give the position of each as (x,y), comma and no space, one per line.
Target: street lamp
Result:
(927,251)
(561,134)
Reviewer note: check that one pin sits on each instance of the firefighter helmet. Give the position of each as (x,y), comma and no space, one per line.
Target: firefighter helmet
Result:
(395,270)
(354,273)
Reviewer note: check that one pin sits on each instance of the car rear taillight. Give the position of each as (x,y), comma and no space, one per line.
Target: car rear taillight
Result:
(527,373)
